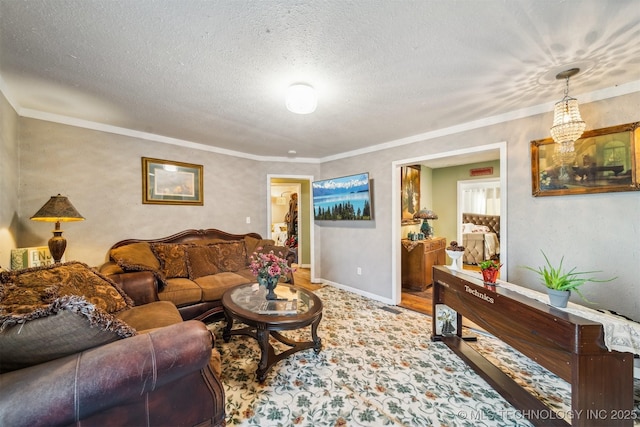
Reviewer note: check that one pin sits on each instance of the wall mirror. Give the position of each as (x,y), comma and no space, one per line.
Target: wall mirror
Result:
(603,160)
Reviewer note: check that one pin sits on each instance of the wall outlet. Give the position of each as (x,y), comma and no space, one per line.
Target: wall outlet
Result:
(248,220)
(359,271)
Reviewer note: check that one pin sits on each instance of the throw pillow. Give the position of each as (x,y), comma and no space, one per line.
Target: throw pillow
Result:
(252,244)
(135,256)
(481,229)
(467,227)
(201,261)
(41,285)
(44,332)
(138,257)
(231,255)
(173,259)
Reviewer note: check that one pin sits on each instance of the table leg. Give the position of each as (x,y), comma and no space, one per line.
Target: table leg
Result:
(226,333)
(317,341)
(262,336)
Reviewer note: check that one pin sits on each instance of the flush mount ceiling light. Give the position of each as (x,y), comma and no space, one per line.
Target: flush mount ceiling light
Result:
(567,123)
(301,99)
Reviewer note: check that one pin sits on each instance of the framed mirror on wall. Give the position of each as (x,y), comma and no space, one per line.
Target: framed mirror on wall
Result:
(602,160)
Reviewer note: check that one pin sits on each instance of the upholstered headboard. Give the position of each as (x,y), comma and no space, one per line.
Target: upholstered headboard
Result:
(491,221)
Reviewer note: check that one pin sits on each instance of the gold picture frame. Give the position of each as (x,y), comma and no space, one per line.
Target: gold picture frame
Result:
(410,193)
(166,182)
(606,160)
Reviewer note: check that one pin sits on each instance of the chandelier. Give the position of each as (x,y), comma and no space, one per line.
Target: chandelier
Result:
(567,123)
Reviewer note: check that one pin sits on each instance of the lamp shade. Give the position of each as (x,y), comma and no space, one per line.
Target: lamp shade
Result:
(426,214)
(58,208)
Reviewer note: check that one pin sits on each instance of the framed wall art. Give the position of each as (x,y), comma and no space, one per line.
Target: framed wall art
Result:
(346,198)
(603,160)
(410,193)
(171,183)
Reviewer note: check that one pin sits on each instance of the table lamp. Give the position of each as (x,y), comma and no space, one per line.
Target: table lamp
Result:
(426,215)
(57,209)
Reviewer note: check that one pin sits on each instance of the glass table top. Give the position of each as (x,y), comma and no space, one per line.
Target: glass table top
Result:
(291,300)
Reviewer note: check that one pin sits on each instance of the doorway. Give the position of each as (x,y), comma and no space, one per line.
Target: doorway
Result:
(280,188)
(451,158)
(480,196)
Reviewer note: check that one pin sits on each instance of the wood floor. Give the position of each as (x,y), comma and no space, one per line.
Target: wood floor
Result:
(302,278)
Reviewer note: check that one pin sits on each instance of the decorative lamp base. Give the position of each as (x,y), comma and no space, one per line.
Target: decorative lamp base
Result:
(57,245)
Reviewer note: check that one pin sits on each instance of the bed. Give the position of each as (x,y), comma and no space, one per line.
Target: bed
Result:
(279,233)
(480,237)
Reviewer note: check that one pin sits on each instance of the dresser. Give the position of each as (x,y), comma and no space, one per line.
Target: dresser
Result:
(418,259)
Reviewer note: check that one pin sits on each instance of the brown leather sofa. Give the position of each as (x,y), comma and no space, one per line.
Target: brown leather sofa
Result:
(74,350)
(191,269)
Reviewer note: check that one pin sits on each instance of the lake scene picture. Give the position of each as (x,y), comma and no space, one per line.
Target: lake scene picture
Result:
(345,198)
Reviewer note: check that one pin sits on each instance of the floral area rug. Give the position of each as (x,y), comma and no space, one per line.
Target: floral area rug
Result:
(377,367)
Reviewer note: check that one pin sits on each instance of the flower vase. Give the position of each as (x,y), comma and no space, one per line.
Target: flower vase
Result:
(490,275)
(270,283)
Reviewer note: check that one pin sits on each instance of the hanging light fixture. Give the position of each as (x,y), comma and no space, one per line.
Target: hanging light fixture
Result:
(567,123)
(301,99)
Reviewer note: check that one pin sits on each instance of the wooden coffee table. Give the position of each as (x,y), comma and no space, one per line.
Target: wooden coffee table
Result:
(242,303)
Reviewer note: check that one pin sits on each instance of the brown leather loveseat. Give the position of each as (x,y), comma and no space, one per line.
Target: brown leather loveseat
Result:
(74,350)
(191,269)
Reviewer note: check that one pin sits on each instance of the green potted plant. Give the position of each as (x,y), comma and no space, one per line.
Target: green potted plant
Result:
(490,269)
(560,282)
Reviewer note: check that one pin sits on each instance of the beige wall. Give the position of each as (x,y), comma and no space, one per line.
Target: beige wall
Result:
(9,178)
(100,172)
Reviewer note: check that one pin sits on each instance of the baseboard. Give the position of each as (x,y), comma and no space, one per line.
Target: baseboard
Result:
(359,292)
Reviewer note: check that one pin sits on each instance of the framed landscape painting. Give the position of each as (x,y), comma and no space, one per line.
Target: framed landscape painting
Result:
(171,183)
(603,160)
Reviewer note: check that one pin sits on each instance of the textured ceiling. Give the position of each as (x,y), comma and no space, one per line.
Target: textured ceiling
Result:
(215,72)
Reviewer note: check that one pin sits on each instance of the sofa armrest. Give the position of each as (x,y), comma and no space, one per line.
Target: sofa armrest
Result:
(140,286)
(66,390)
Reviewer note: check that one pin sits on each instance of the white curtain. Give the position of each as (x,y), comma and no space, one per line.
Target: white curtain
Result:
(482,200)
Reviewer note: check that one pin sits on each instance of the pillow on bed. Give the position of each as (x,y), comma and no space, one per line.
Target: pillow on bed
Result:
(467,227)
(481,229)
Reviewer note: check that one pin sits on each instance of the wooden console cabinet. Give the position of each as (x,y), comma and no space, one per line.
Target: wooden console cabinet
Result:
(418,259)
(568,345)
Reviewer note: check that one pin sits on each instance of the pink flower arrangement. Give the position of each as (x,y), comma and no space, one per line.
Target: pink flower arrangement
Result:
(268,265)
